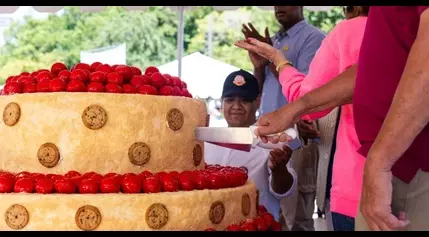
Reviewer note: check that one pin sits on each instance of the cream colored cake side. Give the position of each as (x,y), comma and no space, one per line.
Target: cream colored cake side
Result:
(185,210)
(57,118)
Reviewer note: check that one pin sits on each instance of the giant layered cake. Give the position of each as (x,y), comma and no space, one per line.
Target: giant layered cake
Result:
(100,147)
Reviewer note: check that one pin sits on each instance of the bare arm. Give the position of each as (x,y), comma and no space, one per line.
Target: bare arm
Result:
(338,91)
(408,113)
(259,73)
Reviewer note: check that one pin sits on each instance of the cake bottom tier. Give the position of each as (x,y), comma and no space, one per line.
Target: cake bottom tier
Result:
(184,210)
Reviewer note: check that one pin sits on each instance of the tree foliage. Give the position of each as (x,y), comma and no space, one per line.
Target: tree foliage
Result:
(150,36)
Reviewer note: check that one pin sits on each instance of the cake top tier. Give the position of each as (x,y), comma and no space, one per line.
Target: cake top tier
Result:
(101,132)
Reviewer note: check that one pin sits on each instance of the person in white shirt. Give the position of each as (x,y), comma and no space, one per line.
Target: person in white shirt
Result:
(270,170)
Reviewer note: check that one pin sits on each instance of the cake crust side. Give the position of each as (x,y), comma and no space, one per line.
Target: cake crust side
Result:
(57,118)
(187,210)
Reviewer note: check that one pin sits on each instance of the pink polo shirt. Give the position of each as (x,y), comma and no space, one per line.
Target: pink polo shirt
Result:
(338,51)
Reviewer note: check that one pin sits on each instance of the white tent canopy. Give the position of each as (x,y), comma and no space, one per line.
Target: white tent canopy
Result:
(203,75)
(179,9)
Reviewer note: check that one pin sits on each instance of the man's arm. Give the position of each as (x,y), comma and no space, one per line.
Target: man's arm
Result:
(339,91)
(259,73)
(408,113)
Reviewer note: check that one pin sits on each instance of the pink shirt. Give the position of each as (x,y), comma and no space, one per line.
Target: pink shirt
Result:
(338,51)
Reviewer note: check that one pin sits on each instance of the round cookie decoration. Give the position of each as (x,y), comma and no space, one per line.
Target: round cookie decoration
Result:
(197,154)
(156,216)
(88,217)
(94,117)
(48,155)
(16,217)
(175,119)
(139,153)
(245,204)
(11,114)
(217,212)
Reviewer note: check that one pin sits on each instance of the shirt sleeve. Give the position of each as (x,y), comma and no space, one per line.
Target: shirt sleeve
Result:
(292,189)
(306,54)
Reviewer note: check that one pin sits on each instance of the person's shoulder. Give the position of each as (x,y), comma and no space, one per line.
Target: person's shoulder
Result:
(311,30)
(349,27)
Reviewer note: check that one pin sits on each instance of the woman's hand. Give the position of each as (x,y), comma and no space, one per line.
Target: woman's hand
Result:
(250,32)
(262,49)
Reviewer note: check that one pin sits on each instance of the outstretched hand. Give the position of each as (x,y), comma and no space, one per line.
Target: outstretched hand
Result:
(279,158)
(250,32)
(262,49)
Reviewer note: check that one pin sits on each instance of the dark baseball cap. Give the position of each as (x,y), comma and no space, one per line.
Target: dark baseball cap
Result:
(241,84)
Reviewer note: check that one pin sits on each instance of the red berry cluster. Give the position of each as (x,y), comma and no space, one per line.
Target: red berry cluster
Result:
(263,222)
(145,182)
(96,77)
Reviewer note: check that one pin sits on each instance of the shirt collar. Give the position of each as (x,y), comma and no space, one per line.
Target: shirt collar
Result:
(293,30)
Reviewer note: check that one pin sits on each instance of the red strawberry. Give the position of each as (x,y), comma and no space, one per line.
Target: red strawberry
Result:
(23,174)
(77,180)
(104,68)
(125,72)
(269,219)
(186,181)
(145,174)
(97,177)
(44,75)
(260,224)
(136,71)
(64,75)
(54,176)
(88,175)
(44,186)
(210,229)
(110,185)
(114,67)
(57,85)
(233,227)
(131,184)
(88,186)
(34,74)
(72,174)
(175,81)
(184,85)
(26,80)
(87,72)
(201,181)
(177,91)
(43,86)
(174,174)
(151,184)
(169,183)
(167,80)
(248,227)
(157,80)
(37,176)
(95,87)
(6,184)
(148,90)
(82,66)
(276,226)
(129,89)
(160,175)
(217,181)
(150,70)
(115,78)
(64,186)
(94,66)
(261,209)
(129,174)
(113,88)
(9,79)
(166,90)
(136,81)
(79,75)
(24,74)
(186,93)
(12,88)
(76,86)
(57,68)
(24,185)
(98,77)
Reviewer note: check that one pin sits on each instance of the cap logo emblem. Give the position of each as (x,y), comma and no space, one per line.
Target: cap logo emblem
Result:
(239,80)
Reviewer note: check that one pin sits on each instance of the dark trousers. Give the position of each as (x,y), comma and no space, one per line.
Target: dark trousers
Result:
(342,222)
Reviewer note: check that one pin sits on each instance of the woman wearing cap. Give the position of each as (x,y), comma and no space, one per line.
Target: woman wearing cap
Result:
(339,51)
